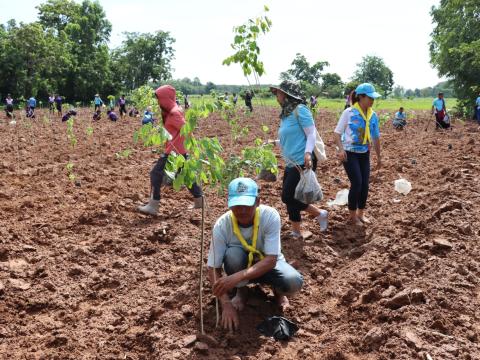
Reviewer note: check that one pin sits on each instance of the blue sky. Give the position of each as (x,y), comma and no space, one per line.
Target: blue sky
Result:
(340,32)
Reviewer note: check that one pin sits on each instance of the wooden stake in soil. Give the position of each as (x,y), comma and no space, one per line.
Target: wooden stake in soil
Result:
(200,285)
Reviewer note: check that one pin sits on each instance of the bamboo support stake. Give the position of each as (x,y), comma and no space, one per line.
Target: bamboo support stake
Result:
(200,285)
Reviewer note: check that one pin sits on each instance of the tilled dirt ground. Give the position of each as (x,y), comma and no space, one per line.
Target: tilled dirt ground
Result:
(84,276)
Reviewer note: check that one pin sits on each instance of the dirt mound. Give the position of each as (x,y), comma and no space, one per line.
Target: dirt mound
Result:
(84,276)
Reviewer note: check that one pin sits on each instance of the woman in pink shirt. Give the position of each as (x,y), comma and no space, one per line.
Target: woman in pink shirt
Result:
(173,120)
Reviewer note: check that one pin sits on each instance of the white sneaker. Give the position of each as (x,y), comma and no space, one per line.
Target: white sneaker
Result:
(151,208)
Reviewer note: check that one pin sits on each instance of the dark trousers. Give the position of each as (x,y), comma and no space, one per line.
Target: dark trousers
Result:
(291,177)
(357,167)
(123,110)
(9,111)
(440,122)
(156,179)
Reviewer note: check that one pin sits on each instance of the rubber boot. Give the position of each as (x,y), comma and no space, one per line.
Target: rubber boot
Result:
(151,208)
(197,203)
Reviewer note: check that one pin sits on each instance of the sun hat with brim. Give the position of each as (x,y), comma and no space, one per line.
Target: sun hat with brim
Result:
(242,192)
(367,89)
(290,88)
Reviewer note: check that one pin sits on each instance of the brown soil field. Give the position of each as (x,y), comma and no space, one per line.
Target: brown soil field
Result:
(83,275)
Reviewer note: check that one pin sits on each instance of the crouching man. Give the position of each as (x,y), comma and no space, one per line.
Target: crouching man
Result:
(246,243)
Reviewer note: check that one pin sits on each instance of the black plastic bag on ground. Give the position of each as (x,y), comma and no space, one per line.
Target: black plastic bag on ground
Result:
(278,327)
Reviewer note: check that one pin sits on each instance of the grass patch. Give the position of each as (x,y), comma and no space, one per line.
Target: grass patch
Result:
(338,104)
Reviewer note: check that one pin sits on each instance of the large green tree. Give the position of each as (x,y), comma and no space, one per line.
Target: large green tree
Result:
(85,27)
(32,60)
(302,71)
(372,69)
(143,58)
(455,47)
(332,85)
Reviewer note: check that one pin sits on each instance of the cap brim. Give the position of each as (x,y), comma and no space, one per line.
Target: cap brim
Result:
(245,200)
(374,95)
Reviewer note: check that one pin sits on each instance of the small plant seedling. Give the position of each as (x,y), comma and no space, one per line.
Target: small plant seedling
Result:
(124,154)
(383,119)
(89,131)
(70,132)
(70,174)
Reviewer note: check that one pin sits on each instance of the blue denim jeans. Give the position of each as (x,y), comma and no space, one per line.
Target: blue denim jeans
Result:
(283,277)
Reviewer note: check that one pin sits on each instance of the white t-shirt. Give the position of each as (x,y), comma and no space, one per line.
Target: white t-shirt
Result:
(268,242)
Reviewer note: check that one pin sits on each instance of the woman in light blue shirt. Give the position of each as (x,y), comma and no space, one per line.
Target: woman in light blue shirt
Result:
(297,140)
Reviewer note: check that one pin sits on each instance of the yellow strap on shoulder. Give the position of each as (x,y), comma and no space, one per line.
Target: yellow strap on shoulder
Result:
(252,249)
(367,137)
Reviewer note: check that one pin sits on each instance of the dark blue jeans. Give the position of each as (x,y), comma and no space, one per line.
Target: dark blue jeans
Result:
(156,179)
(283,277)
(357,167)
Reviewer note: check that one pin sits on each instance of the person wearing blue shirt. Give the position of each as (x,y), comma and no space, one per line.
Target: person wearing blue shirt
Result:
(98,102)
(400,120)
(477,107)
(148,116)
(440,110)
(32,103)
(30,108)
(297,135)
(357,130)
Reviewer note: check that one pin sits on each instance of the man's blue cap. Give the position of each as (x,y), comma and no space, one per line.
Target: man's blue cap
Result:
(242,191)
(367,89)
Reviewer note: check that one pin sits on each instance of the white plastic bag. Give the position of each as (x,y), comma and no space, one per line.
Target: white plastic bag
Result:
(341,198)
(403,186)
(308,189)
(319,148)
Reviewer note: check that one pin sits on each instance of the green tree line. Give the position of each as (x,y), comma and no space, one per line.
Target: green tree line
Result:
(66,52)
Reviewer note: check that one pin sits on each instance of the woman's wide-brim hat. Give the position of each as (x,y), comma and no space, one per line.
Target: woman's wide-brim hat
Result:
(290,88)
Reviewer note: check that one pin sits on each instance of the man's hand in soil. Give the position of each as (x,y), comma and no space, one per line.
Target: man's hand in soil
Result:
(225,284)
(229,316)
